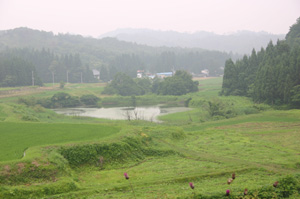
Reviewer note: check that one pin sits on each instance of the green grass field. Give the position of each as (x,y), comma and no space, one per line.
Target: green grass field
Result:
(16,137)
(49,90)
(259,144)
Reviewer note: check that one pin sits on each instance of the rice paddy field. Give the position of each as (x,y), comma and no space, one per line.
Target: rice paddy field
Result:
(76,157)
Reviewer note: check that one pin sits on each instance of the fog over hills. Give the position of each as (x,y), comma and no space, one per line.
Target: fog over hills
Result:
(241,42)
(109,54)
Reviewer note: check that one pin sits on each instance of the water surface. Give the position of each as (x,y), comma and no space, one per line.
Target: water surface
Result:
(149,113)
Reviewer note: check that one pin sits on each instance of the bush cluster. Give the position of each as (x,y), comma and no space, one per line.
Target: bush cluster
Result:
(221,109)
(62,100)
(180,83)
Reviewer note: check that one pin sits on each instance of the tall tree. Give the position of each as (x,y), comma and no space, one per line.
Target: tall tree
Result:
(53,68)
(271,75)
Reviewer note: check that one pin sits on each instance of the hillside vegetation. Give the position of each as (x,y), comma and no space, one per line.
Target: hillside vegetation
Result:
(71,58)
(76,157)
(271,75)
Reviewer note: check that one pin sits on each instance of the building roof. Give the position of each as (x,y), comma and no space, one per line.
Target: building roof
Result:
(96,72)
(165,73)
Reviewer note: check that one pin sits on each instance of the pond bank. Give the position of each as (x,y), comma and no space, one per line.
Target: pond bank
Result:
(149,113)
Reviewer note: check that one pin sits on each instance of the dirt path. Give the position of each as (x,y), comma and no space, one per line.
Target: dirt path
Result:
(202,78)
(24,91)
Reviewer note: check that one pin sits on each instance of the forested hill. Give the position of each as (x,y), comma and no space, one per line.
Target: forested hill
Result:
(89,48)
(53,56)
(241,42)
(271,75)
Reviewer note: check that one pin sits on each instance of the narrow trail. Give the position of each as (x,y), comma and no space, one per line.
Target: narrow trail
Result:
(24,91)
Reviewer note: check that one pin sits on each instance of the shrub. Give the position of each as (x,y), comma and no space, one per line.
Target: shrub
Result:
(91,100)
(30,118)
(288,186)
(27,101)
(62,85)
(60,100)
(46,102)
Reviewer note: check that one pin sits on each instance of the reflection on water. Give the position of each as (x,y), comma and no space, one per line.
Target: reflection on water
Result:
(123,113)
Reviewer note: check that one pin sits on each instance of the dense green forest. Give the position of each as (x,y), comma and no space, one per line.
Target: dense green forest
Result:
(271,75)
(15,71)
(19,67)
(57,55)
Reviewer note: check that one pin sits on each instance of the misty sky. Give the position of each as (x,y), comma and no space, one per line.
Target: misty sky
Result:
(96,17)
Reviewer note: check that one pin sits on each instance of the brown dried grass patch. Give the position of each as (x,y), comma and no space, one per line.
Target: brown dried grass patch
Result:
(21,166)
(6,170)
(35,163)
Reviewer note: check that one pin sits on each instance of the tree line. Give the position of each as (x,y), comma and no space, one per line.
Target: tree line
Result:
(44,66)
(111,56)
(179,84)
(15,71)
(23,67)
(167,61)
(271,75)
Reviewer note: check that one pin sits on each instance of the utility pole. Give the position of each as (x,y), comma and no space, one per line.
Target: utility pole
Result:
(100,74)
(52,78)
(32,77)
(81,77)
(67,76)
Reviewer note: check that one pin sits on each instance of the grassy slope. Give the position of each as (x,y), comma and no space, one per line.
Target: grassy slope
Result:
(260,151)
(260,148)
(16,137)
(209,89)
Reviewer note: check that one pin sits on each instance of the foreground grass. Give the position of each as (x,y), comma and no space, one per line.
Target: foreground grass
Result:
(260,147)
(17,137)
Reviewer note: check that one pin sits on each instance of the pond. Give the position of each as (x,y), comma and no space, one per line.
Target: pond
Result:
(149,113)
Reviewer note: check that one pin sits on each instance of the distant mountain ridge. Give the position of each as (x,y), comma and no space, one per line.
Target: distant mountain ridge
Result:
(241,42)
(110,55)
